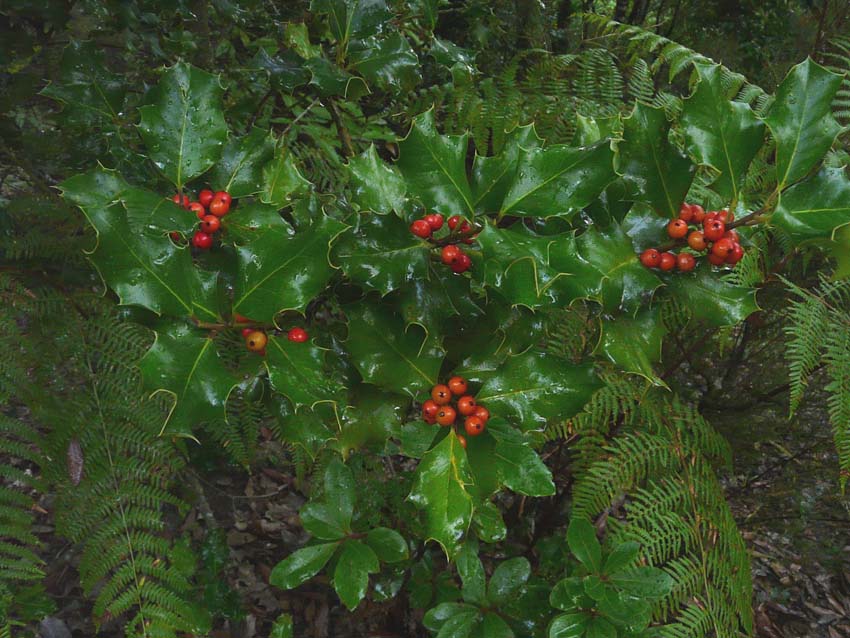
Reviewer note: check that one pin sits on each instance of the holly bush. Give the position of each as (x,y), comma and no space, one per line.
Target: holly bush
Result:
(509,264)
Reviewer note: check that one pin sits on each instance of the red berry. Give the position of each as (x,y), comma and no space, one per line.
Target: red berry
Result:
(240,318)
(473,426)
(713,229)
(205,197)
(686,213)
(457,385)
(175,236)
(712,214)
(202,240)
(723,247)
(256,341)
(298,335)
(685,262)
(210,224)
(735,255)
(482,413)
(454,220)
(726,216)
(696,240)
(462,440)
(246,332)
(176,200)
(697,214)
(198,209)
(441,394)
(668,261)
(715,260)
(224,196)
(435,221)
(446,415)
(733,235)
(429,411)
(421,228)
(650,258)
(677,228)
(462,263)
(466,405)
(449,254)
(219,207)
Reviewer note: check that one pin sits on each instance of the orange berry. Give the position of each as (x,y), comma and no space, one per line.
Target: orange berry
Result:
(446,415)
(466,405)
(441,394)
(457,385)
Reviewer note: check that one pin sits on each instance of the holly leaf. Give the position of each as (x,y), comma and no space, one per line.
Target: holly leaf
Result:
(297,371)
(440,489)
(434,167)
(533,388)
(306,429)
(389,62)
(184,363)
(240,170)
(492,176)
(183,124)
(249,221)
(634,343)
(813,210)
(302,565)
(376,185)
(281,180)
(558,180)
(801,120)
(381,253)
(330,80)
(431,301)
(371,417)
(517,465)
(286,70)
(352,19)
(661,172)
(719,132)
(710,298)
(388,355)
(279,271)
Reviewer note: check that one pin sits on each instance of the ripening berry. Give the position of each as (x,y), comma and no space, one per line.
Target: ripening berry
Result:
(435,221)
(457,385)
(473,426)
(429,411)
(219,207)
(210,224)
(246,332)
(713,229)
(441,394)
(685,262)
(462,263)
(256,341)
(454,220)
(446,415)
(735,255)
(176,200)
(482,413)
(677,228)
(449,254)
(421,228)
(202,240)
(224,196)
(198,209)
(175,237)
(462,440)
(722,248)
(715,260)
(712,214)
(650,258)
(466,405)
(696,240)
(205,197)
(726,216)
(686,213)
(733,235)
(668,261)
(298,335)
(697,214)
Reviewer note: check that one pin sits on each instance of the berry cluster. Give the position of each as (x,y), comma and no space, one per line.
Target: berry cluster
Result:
(438,408)
(705,232)
(256,340)
(459,231)
(209,208)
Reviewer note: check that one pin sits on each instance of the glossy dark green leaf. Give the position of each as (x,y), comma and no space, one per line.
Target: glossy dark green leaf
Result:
(493,626)
(183,123)
(377,186)
(434,167)
(471,572)
(711,299)
(815,209)
(648,159)
(517,465)
(286,69)
(568,595)
(302,565)
(240,169)
(600,628)
(282,627)
(323,521)
(381,253)
(281,180)
(415,438)
(488,523)
(596,588)
(492,176)
(387,544)
(388,355)
(184,364)
(569,625)
(719,132)
(284,272)
(340,488)
(644,227)
(508,579)
(644,582)
(306,429)
(451,55)
(350,19)
(558,180)
(297,370)
(581,537)
(625,611)
(371,417)
(433,301)
(801,120)
(634,343)
(451,619)
(330,80)
(534,388)
(387,62)
(351,576)
(250,220)
(441,489)
(623,556)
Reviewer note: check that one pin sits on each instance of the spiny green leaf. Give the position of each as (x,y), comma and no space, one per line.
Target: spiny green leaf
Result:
(350,19)
(240,170)
(517,465)
(815,209)
(281,180)
(634,343)
(297,370)
(377,185)
(711,299)
(492,176)
(388,62)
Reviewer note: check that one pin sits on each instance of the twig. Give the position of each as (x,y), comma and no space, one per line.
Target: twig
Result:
(342,131)
(299,116)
